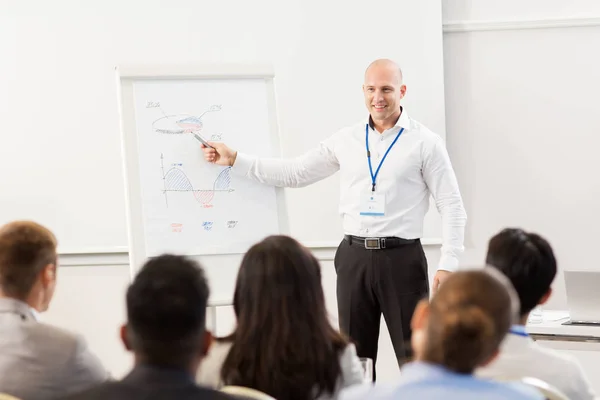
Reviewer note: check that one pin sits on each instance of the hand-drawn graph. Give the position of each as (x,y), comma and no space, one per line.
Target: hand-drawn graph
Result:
(181,123)
(191,206)
(176,180)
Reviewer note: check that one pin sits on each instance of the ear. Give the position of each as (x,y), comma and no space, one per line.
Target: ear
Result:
(420,316)
(207,341)
(402,91)
(545,297)
(490,358)
(124,333)
(48,275)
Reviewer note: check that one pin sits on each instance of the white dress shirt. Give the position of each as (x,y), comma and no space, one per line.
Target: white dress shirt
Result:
(521,357)
(417,166)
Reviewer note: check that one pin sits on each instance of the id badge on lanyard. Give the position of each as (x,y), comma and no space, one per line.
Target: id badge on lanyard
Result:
(372,203)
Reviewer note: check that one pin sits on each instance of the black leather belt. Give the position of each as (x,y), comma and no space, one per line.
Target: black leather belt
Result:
(376,243)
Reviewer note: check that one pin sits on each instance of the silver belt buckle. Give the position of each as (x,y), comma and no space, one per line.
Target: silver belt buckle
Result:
(372,243)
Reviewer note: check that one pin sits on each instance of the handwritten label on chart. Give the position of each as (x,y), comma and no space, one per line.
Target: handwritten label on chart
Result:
(176,228)
(207,225)
(231,224)
(152,104)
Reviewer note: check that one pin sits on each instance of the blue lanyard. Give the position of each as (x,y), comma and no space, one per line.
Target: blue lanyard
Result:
(518,330)
(374,177)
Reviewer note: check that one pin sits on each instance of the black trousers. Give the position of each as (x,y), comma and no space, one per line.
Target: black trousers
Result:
(371,282)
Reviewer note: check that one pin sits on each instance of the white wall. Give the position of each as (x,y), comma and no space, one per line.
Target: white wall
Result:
(523,127)
(517,10)
(60,120)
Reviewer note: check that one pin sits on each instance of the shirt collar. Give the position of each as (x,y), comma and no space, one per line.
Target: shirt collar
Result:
(403,121)
(18,307)
(420,370)
(34,313)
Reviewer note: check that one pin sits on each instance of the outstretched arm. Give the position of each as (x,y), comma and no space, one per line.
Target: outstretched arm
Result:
(301,171)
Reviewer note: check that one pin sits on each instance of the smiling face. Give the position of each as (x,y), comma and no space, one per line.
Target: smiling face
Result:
(383,91)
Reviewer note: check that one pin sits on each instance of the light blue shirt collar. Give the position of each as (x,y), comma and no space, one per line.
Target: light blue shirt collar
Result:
(419,370)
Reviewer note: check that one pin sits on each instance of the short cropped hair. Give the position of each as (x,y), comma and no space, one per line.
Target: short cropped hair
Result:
(26,248)
(527,260)
(166,310)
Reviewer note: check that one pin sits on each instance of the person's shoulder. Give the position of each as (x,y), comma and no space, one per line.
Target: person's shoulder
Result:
(553,362)
(356,125)
(116,390)
(423,132)
(509,389)
(519,391)
(54,336)
(107,390)
(553,355)
(341,136)
(351,129)
(348,351)
(560,365)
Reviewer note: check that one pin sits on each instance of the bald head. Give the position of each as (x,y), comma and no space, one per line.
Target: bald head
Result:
(383,90)
(384,66)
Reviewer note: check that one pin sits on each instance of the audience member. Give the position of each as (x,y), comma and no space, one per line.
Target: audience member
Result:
(458,331)
(166,313)
(529,263)
(37,361)
(284,344)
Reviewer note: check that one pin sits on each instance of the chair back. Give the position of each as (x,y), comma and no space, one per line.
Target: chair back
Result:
(547,390)
(4,396)
(245,393)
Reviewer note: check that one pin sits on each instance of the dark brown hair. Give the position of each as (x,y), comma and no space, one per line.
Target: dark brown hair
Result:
(468,318)
(284,344)
(25,249)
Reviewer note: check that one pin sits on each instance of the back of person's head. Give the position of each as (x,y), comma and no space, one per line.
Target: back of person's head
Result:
(284,344)
(529,263)
(463,325)
(28,263)
(166,313)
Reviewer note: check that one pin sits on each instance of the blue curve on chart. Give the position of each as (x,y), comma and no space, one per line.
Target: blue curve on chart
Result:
(223,181)
(176,179)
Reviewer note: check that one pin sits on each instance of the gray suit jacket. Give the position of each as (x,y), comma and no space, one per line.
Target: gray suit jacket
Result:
(39,361)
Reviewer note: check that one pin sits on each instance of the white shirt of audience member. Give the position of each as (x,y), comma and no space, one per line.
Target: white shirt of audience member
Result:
(521,357)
